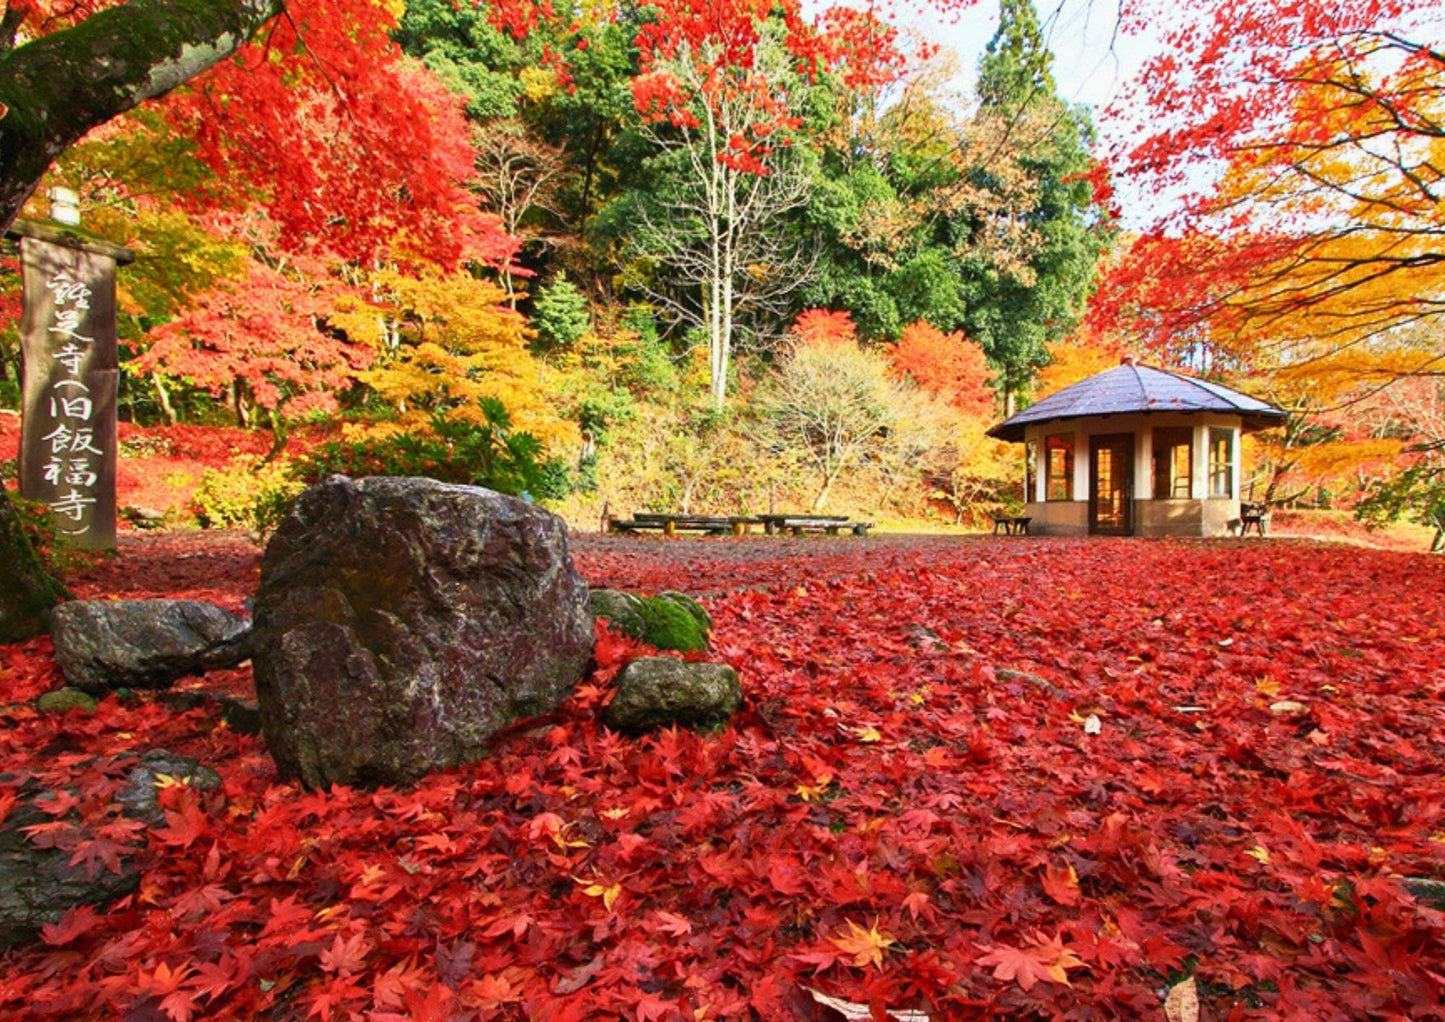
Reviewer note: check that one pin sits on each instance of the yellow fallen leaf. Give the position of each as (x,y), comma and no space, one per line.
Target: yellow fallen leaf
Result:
(608,893)
(864,945)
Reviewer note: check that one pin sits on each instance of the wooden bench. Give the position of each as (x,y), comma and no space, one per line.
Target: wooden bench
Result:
(1012,525)
(1256,515)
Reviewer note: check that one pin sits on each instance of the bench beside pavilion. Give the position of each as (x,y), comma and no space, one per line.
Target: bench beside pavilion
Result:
(1136,451)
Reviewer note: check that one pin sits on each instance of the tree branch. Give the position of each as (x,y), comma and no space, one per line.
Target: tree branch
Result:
(61,85)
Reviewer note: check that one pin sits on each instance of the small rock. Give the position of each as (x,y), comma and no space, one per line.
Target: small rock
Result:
(139,795)
(921,638)
(1288,706)
(1426,891)
(655,692)
(38,885)
(1043,684)
(622,610)
(241,716)
(61,700)
(668,620)
(144,517)
(102,645)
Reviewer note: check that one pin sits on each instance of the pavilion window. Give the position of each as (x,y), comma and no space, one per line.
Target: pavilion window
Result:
(1031,470)
(1059,455)
(1221,462)
(1173,463)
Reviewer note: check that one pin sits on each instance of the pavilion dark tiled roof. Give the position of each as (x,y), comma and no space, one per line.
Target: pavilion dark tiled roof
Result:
(1130,389)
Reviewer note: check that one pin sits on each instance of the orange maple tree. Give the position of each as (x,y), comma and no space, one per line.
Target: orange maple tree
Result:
(949,365)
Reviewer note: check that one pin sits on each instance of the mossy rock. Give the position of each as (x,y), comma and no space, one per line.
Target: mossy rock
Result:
(622,610)
(697,610)
(668,620)
(62,700)
(655,692)
(671,624)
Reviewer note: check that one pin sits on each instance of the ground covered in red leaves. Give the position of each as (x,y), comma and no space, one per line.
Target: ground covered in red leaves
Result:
(980,778)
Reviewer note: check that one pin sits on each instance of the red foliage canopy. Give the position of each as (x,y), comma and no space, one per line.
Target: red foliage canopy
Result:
(320,119)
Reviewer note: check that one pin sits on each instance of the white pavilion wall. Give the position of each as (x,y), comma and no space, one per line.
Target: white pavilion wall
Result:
(1197,515)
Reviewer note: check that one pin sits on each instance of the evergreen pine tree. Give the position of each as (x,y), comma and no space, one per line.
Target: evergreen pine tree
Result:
(1016,66)
(1014,316)
(560,316)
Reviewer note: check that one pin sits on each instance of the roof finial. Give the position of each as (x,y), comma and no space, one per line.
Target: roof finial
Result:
(1127,360)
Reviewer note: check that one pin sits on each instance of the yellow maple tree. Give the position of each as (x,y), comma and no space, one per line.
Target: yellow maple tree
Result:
(444,340)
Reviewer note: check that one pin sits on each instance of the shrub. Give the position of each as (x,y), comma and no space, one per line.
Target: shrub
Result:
(485,453)
(249,493)
(56,553)
(560,316)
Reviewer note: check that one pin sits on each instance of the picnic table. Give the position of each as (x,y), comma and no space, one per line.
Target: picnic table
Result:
(799,524)
(671,524)
(737,525)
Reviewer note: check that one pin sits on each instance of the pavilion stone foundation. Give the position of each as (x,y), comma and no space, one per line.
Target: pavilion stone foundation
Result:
(1058,518)
(1208,518)
(402,623)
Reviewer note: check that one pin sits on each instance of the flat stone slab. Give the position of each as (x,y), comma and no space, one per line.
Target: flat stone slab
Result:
(103,645)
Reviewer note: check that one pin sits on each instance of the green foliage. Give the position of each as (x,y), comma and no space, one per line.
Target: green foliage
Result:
(459,43)
(1417,493)
(559,316)
(486,453)
(249,493)
(1014,315)
(56,554)
(1016,66)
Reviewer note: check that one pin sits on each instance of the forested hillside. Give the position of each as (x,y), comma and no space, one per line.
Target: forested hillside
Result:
(611,245)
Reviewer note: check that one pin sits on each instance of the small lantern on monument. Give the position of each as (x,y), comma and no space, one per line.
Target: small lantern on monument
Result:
(65,207)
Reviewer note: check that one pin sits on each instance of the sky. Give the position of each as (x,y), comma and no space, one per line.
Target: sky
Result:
(1090,64)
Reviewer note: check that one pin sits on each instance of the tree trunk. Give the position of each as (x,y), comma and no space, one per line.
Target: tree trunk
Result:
(829,478)
(27,593)
(165,399)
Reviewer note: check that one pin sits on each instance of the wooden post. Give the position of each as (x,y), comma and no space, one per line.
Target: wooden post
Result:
(68,446)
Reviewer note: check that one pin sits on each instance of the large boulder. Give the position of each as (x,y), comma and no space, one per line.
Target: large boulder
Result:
(661,691)
(103,645)
(401,623)
(39,884)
